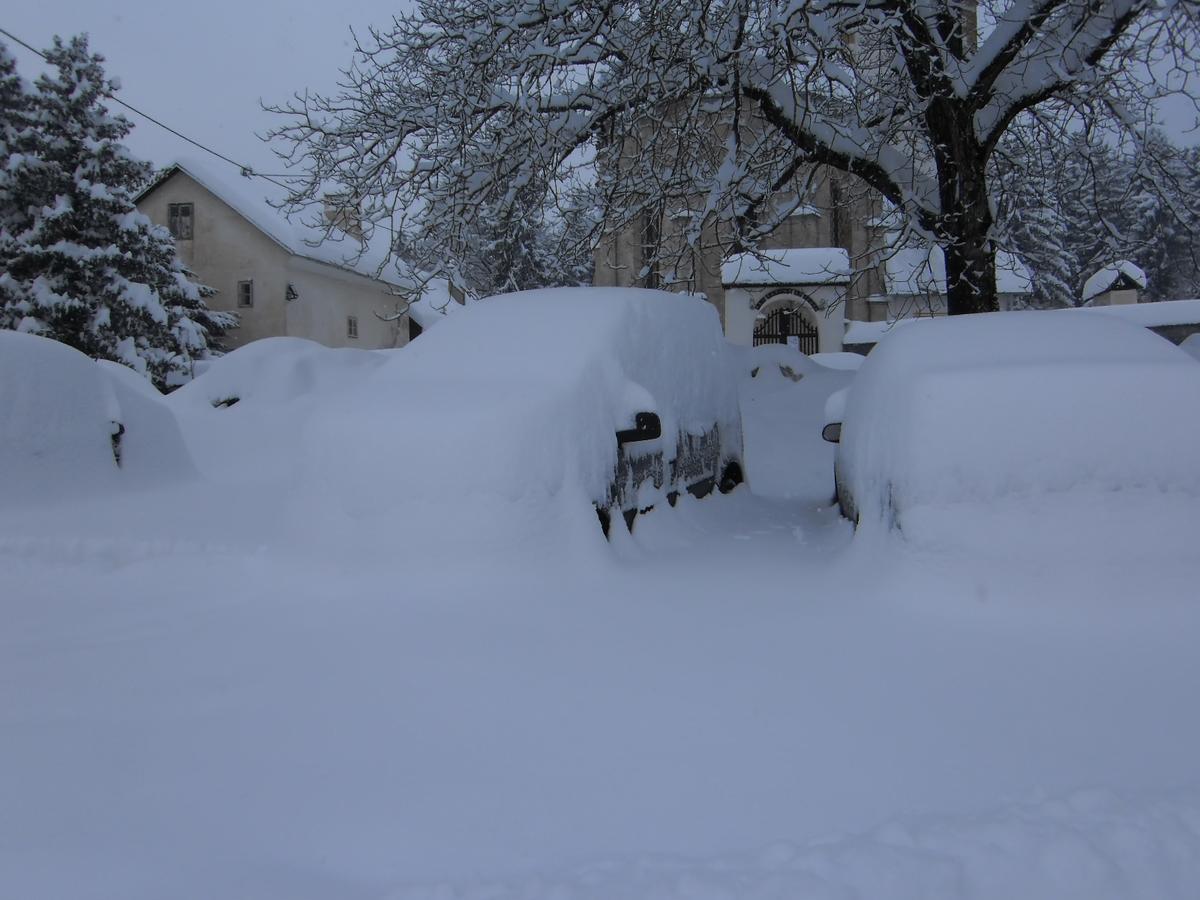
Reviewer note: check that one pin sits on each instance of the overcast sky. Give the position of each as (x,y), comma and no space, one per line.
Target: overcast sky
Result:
(203,66)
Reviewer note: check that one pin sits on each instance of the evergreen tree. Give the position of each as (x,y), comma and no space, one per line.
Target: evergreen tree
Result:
(1072,205)
(1099,197)
(1164,223)
(17,133)
(81,265)
(1030,219)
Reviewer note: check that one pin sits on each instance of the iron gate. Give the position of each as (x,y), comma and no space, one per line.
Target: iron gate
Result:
(782,324)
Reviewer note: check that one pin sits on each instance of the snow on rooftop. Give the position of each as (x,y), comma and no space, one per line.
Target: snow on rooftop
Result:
(917,270)
(433,304)
(304,233)
(1107,277)
(809,265)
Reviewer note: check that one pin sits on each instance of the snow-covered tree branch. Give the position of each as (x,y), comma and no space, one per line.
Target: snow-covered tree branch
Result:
(717,107)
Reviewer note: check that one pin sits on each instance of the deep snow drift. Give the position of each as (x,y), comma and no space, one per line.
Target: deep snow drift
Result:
(230,686)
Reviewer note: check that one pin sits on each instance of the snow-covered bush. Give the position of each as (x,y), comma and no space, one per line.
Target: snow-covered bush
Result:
(78,262)
(770,360)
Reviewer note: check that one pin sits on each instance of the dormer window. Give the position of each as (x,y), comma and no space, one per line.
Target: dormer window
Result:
(179,221)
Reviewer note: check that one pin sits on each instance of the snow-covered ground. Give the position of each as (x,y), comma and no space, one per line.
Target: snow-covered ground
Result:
(231,685)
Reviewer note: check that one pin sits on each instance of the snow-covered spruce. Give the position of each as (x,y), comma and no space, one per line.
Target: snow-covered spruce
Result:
(16,135)
(1074,206)
(78,262)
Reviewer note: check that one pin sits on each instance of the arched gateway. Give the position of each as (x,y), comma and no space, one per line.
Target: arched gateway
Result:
(788,319)
(793,296)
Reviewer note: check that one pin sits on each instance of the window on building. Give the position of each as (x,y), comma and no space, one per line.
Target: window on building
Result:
(179,220)
(245,294)
(352,326)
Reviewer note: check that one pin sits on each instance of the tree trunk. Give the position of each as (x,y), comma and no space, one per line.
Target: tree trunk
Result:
(970,273)
(966,216)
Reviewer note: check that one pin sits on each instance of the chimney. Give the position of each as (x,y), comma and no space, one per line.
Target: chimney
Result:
(343,214)
(969,15)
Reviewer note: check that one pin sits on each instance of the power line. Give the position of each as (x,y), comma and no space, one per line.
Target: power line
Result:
(247,171)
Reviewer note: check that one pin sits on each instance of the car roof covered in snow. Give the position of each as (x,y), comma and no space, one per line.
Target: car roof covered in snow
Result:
(1029,337)
(1159,314)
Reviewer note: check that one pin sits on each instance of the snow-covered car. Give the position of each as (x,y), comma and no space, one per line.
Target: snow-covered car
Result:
(616,399)
(73,426)
(1191,346)
(1012,410)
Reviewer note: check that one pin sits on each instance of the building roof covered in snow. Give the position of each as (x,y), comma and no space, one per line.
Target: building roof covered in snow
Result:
(810,265)
(305,234)
(1120,276)
(433,304)
(916,271)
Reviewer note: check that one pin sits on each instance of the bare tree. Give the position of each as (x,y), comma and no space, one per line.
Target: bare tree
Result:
(462,104)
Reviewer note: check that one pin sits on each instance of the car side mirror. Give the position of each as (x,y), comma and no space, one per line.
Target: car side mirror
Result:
(832,432)
(646,427)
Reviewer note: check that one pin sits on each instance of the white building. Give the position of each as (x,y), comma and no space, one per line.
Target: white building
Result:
(1115,285)
(295,278)
(792,296)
